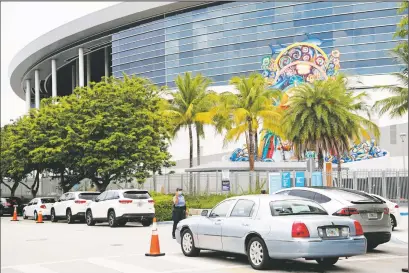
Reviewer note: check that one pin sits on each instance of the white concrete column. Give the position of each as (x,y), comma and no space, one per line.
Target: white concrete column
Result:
(37,88)
(28,96)
(81,66)
(88,69)
(73,77)
(106,64)
(76,73)
(54,78)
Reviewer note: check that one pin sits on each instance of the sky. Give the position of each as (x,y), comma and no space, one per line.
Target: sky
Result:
(22,23)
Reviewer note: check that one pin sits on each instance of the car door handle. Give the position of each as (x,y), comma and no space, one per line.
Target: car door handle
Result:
(218,223)
(245,225)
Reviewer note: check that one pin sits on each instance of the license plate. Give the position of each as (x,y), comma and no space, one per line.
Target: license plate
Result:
(372,215)
(332,232)
(139,204)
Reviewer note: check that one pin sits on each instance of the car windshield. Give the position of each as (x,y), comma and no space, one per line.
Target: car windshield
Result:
(88,195)
(295,207)
(13,200)
(137,194)
(47,200)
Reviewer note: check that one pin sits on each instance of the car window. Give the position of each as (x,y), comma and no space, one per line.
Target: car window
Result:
(354,196)
(70,196)
(62,197)
(222,209)
(110,195)
(35,201)
(136,194)
(303,193)
(47,200)
(295,207)
(243,208)
(320,198)
(102,196)
(88,195)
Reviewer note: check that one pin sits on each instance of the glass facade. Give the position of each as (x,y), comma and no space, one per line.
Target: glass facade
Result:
(230,39)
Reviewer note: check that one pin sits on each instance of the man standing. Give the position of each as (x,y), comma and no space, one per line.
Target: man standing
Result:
(179,209)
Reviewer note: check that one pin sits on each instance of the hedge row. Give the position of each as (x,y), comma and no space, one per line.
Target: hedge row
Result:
(163,204)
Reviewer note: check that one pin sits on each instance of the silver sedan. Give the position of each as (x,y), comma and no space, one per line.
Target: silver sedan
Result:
(272,227)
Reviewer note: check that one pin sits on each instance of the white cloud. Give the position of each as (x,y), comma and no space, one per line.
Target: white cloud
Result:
(23,22)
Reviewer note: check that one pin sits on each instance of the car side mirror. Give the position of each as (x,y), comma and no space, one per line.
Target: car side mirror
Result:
(204,212)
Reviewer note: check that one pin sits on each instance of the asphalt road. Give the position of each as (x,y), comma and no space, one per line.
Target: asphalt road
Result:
(59,247)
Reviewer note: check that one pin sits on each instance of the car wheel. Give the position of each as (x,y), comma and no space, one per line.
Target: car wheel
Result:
(53,217)
(113,222)
(70,219)
(371,246)
(188,244)
(257,253)
(89,219)
(146,222)
(35,216)
(1,212)
(327,261)
(393,222)
(24,215)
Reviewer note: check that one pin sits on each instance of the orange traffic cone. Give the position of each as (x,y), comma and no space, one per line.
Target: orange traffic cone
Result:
(155,248)
(14,214)
(40,217)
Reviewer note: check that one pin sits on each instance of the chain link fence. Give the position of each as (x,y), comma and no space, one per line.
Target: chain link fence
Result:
(391,184)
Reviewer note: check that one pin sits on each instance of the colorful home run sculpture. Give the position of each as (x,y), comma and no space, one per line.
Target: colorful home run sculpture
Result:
(302,62)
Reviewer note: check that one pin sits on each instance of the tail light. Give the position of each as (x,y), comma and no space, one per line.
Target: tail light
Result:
(151,201)
(358,229)
(300,230)
(80,201)
(346,212)
(125,201)
(396,206)
(43,207)
(386,211)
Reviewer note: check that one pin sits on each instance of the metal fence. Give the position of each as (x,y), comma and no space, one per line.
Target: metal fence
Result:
(391,184)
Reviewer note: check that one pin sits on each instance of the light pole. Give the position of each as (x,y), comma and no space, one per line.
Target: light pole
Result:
(403,137)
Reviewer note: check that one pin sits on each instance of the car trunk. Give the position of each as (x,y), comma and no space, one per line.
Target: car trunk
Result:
(140,201)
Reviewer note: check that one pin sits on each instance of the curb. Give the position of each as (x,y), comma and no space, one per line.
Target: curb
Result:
(165,223)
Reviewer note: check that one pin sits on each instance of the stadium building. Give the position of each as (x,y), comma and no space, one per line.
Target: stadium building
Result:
(160,40)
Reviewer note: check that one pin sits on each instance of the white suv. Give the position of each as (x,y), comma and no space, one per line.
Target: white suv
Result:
(117,207)
(72,205)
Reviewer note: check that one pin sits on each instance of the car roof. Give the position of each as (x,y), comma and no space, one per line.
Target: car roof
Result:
(124,190)
(263,197)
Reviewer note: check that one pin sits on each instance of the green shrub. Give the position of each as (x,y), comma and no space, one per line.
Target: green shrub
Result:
(163,204)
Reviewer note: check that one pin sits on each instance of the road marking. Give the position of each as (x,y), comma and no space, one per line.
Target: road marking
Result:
(119,266)
(32,269)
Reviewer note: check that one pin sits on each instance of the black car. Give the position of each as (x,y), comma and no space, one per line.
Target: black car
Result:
(7,205)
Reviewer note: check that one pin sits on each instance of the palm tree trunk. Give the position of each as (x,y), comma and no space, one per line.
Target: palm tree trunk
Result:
(256,145)
(198,145)
(320,159)
(190,157)
(251,146)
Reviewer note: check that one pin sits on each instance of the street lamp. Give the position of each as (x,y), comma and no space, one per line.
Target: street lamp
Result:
(403,137)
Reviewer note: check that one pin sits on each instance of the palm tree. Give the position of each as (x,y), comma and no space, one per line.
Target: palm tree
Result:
(326,116)
(397,104)
(243,113)
(186,103)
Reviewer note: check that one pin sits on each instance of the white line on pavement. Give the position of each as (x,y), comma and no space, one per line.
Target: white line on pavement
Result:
(380,257)
(194,262)
(119,266)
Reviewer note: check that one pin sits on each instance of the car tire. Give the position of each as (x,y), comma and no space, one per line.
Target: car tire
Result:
(112,221)
(371,246)
(257,253)
(1,212)
(188,244)
(327,261)
(89,219)
(70,218)
(53,218)
(35,216)
(24,215)
(146,222)
(393,222)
